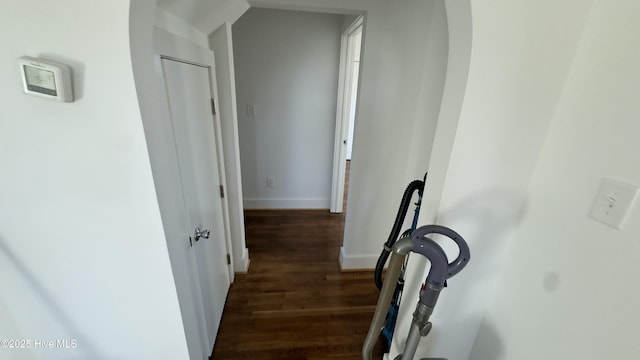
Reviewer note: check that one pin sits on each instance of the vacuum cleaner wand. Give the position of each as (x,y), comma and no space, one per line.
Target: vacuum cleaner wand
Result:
(441,269)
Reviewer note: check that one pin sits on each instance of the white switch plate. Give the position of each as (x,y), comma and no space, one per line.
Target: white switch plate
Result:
(271,182)
(251,109)
(614,202)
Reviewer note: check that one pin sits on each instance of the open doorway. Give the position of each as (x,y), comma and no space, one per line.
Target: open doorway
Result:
(287,73)
(346,112)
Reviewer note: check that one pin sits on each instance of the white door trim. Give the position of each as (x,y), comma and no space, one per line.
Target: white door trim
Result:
(221,42)
(345,78)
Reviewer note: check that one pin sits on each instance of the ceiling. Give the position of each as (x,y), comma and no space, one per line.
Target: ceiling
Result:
(205,15)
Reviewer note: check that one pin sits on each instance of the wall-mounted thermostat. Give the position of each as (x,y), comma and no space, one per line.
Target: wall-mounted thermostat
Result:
(46,78)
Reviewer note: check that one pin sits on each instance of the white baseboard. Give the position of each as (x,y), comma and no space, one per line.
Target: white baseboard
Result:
(286,203)
(357,262)
(241,266)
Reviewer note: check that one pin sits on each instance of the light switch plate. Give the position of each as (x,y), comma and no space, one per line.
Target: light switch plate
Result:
(613,202)
(271,182)
(251,109)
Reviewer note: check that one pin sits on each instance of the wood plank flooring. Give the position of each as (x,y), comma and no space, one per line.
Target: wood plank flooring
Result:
(294,303)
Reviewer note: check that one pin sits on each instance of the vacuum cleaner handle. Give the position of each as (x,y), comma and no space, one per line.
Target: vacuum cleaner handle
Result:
(441,269)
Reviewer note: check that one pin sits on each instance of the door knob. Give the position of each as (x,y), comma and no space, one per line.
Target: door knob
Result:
(201,234)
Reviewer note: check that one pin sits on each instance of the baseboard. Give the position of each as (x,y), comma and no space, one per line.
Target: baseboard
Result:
(286,203)
(357,262)
(242,266)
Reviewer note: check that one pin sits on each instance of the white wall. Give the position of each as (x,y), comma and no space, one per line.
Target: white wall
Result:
(175,25)
(222,45)
(401,84)
(82,250)
(568,289)
(347,20)
(205,15)
(482,167)
(421,135)
(286,63)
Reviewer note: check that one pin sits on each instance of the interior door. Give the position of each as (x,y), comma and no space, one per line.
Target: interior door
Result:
(188,88)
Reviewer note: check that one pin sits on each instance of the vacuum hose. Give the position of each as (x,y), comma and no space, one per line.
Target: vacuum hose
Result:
(395,231)
(440,270)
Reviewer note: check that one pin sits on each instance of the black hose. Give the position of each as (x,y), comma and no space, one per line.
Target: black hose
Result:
(395,231)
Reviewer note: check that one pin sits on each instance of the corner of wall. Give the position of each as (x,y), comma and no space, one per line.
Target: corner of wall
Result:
(173,24)
(242,266)
(356,262)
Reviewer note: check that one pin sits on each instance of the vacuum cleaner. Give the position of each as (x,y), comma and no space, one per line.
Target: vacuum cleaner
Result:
(390,323)
(441,269)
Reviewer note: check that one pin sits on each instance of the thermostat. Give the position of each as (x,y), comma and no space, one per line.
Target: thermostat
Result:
(46,78)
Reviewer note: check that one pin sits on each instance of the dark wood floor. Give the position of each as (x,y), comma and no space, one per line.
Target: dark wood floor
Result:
(294,303)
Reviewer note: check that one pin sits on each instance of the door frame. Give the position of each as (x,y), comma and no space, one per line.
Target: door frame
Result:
(345,79)
(169,46)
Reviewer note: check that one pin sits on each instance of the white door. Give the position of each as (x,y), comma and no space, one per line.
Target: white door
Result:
(188,89)
(346,109)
